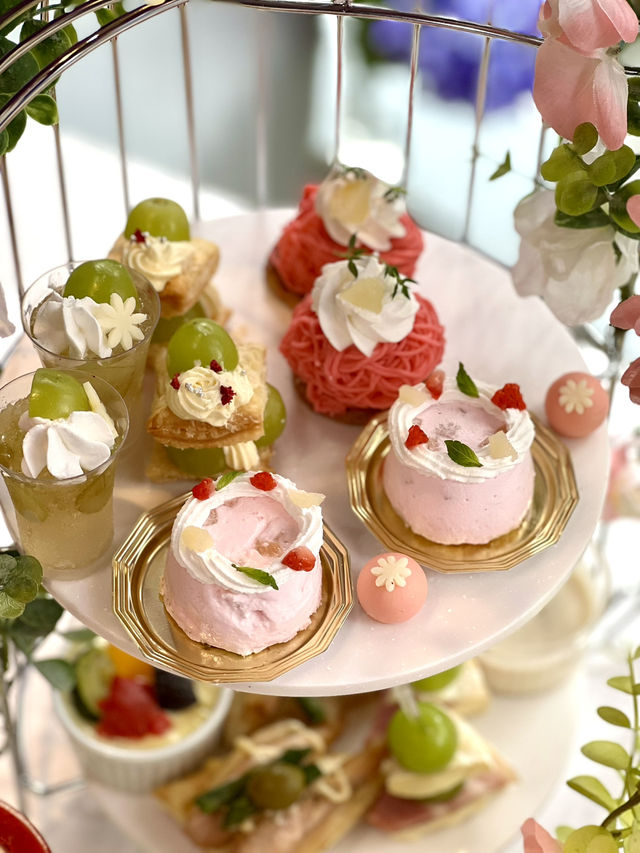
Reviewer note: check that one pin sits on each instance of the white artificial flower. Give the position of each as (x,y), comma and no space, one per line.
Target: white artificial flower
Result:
(391,571)
(119,322)
(575,270)
(6,328)
(576,396)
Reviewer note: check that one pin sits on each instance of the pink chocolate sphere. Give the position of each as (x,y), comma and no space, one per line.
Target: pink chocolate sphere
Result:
(576,404)
(392,588)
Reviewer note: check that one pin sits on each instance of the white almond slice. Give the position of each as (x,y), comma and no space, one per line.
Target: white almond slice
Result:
(305,499)
(98,407)
(413,396)
(500,447)
(196,539)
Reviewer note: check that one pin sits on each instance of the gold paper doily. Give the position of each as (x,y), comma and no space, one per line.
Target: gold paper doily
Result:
(554,499)
(138,567)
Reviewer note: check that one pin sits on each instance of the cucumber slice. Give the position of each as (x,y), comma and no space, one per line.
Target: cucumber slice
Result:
(94,672)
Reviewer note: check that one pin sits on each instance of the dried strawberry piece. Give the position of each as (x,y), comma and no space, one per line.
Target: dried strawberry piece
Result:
(416,436)
(204,489)
(509,397)
(434,383)
(131,710)
(215,366)
(226,394)
(139,236)
(175,382)
(300,560)
(264,481)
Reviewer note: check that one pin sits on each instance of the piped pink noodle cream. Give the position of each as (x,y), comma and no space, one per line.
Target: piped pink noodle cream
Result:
(216,603)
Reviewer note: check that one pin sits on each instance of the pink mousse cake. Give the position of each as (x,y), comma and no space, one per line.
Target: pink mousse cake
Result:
(243,571)
(459,469)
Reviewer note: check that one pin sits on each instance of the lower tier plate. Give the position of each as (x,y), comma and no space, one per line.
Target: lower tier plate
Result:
(465,612)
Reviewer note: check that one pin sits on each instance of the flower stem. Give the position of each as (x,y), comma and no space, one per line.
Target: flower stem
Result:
(9,724)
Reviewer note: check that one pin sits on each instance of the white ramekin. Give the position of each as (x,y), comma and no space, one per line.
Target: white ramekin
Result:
(141,770)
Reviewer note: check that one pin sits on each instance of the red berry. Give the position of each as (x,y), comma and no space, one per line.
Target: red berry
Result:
(264,481)
(226,394)
(300,560)
(215,366)
(204,489)
(509,397)
(175,382)
(416,436)
(130,710)
(139,236)
(434,383)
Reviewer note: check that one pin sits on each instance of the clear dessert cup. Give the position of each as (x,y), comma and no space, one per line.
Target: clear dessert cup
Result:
(124,370)
(67,524)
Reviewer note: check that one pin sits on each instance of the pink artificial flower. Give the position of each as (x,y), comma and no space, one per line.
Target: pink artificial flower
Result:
(631,378)
(633,209)
(627,314)
(537,839)
(587,25)
(571,88)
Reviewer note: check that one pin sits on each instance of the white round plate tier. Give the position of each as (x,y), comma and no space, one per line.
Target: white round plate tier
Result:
(501,338)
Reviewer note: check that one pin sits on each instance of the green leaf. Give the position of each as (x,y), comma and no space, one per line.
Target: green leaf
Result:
(503,168)
(563,161)
(227,478)
(612,166)
(59,673)
(258,575)
(634,88)
(4,142)
(294,756)
(585,137)
(575,194)
(79,635)
(462,454)
(636,654)
(633,118)
(51,48)
(632,842)
(593,219)
(594,790)
(42,615)
(15,129)
(621,682)
(212,800)
(590,839)
(618,207)
(105,16)
(20,579)
(20,72)
(43,109)
(614,716)
(23,637)
(608,753)
(9,607)
(312,709)
(311,773)
(465,383)
(239,810)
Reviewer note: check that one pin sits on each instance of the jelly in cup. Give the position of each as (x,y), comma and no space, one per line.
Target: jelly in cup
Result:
(67,524)
(124,368)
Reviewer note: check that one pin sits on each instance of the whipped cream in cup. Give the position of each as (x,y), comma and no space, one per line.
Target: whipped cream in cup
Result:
(67,334)
(58,476)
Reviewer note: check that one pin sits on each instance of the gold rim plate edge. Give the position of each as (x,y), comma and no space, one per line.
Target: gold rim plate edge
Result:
(137,569)
(555,498)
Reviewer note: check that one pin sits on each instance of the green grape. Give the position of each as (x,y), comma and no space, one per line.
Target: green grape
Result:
(575,194)
(618,207)
(423,744)
(55,394)
(200,340)
(159,217)
(198,462)
(437,682)
(168,325)
(99,279)
(590,839)
(276,786)
(275,417)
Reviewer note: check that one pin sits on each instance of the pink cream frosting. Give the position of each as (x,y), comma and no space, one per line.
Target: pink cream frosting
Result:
(305,247)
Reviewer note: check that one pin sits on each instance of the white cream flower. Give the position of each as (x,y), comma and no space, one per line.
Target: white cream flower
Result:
(575,270)
(575,396)
(391,571)
(118,321)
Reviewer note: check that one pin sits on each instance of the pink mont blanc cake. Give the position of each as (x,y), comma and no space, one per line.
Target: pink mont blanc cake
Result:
(459,469)
(349,202)
(243,571)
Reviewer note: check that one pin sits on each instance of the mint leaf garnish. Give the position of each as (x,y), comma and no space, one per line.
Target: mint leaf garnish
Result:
(258,575)
(465,382)
(227,478)
(462,454)
(504,167)
(20,578)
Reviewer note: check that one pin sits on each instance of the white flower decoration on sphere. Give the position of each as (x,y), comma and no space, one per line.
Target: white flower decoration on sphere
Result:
(576,271)
(575,396)
(391,571)
(119,322)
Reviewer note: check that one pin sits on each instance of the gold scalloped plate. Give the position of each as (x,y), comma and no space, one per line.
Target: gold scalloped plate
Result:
(554,499)
(138,567)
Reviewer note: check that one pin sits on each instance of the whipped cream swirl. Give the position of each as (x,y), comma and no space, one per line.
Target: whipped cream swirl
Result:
(362,311)
(67,325)
(353,201)
(211,566)
(157,258)
(432,458)
(241,456)
(201,394)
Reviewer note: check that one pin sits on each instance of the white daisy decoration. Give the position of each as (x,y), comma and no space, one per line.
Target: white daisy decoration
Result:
(575,396)
(119,323)
(390,571)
